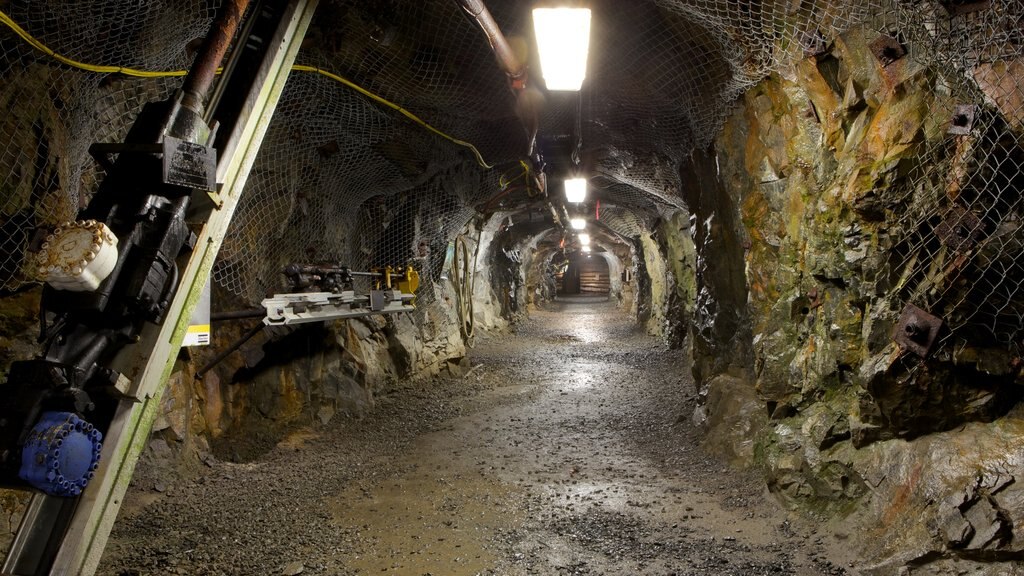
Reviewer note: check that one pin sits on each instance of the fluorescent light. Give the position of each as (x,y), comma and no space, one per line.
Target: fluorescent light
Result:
(563,38)
(578,223)
(576,190)
(586,249)
(584,238)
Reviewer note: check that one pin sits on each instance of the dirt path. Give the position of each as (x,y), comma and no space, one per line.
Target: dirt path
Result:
(568,449)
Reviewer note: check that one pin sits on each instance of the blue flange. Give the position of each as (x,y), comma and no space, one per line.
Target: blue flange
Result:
(61,454)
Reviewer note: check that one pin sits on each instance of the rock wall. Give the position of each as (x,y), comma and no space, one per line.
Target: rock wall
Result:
(675,304)
(308,376)
(801,279)
(499,283)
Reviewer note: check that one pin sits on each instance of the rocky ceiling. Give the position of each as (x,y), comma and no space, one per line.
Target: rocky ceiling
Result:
(662,75)
(337,168)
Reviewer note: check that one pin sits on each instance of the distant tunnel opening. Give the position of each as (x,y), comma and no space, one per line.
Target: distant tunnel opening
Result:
(585,275)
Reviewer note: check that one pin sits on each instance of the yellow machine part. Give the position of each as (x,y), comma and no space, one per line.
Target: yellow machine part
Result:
(410,282)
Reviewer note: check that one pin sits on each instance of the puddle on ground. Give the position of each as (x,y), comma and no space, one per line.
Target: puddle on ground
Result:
(428,519)
(563,338)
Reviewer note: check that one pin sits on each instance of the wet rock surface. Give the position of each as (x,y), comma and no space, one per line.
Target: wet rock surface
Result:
(566,448)
(825,161)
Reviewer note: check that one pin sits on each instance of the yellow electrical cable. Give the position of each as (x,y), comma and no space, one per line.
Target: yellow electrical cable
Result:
(76,64)
(395,107)
(503,183)
(5,19)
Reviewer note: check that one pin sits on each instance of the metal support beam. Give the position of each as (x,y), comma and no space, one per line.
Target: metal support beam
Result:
(49,542)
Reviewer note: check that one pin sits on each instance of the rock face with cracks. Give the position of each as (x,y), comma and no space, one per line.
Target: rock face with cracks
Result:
(810,178)
(847,181)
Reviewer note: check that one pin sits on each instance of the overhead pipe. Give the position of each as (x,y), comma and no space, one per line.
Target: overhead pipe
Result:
(510,65)
(227,351)
(526,106)
(211,54)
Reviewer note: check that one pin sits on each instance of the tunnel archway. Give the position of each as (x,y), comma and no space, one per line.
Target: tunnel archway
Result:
(768,185)
(585,275)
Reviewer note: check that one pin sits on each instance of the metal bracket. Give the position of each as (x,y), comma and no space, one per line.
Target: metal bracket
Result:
(917,330)
(887,49)
(960,230)
(120,386)
(963,119)
(184,163)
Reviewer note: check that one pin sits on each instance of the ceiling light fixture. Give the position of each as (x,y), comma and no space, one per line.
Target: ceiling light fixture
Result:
(585,249)
(578,223)
(563,39)
(584,238)
(576,190)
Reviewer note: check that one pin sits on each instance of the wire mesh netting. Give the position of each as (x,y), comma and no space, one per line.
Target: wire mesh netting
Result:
(347,185)
(342,178)
(958,239)
(53,112)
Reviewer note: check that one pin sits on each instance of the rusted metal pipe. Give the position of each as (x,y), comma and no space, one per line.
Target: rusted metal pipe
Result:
(526,104)
(511,65)
(204,69)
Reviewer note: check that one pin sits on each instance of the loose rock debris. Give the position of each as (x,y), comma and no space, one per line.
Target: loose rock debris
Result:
(564,456)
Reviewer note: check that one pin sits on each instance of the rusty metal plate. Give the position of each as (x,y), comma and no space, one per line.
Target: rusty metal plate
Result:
(960,230)
(958,7)
(963,118)
(887,49)
(917,330)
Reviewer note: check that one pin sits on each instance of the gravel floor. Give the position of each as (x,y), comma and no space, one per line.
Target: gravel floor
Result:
(566,450)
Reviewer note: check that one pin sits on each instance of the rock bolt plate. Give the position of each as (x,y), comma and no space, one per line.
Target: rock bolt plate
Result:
(960,230)
(916,330)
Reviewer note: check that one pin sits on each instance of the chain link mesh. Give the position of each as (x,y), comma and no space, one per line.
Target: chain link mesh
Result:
(342,179)
(55,112)
(957,236)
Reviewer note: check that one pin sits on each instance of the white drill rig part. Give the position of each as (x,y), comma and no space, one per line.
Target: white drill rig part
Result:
(77,256)
(306,307)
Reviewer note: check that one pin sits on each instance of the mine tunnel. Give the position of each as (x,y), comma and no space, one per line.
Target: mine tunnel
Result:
(557,287)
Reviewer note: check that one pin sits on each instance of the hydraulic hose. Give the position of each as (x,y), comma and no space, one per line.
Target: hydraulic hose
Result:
(464,278)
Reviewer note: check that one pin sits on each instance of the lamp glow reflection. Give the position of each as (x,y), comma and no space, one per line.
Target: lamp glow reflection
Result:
(586,249)
(563,39)
(576,190)
(584,239)
(578,223)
